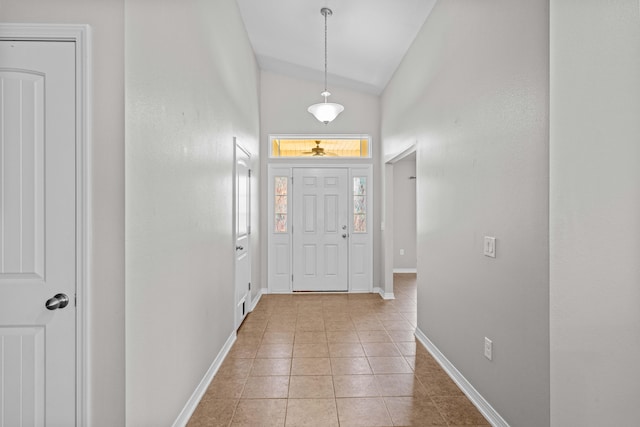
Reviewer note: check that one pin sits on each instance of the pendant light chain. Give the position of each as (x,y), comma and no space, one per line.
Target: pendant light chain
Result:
(325,50)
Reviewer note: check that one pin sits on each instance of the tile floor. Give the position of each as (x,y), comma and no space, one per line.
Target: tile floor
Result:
(333,360)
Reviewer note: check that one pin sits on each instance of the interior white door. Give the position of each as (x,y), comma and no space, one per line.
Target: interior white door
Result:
(320,229)
(37,234)
(243,235)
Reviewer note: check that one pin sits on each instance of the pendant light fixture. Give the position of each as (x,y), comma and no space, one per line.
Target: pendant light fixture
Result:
(325,111)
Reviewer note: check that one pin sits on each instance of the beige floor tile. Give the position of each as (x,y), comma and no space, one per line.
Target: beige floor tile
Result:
(213,413)
(281,326)
(270,367)
(389,365)
(303,387)
(365,411)
(342,336)
(311,366)
(312,412)
(400,385)
(249,338)
(339,325)
(243,351)
(345,350)
(273,387)
(310,350)
(310,337)
(225,388)
(355,386)
(438,383)
(389,315)
(374,336)
(380,349)
(315,325)
(370,324)
(459,411)
(260,412)
(402,336)
(397,325)
(274,351)
(407,348)
(408,411)
(350,366)
(235,368)
(274,337)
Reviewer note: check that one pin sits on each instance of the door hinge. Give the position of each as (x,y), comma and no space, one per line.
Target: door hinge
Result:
(249,173)
(75,300)
(248,229)
(249,285)
(292,277)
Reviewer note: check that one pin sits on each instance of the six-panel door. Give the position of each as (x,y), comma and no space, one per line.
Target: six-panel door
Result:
(320,229)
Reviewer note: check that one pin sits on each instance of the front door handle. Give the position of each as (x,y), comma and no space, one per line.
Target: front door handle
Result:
(239,248)
(58,301)
(344,236)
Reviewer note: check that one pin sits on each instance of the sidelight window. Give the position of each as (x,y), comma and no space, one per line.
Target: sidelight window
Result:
(281,203)
(360,204)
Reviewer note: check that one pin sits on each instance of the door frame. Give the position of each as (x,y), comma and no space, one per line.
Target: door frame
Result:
(81,36)
(283,284)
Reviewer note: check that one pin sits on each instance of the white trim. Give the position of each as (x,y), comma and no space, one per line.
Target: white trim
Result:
(395,158)
(194,400)
(405,270)
(81,35)
(256,300)
(474,396)
(383,294)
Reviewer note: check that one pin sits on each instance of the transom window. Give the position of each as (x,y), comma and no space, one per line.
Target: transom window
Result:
(321,147)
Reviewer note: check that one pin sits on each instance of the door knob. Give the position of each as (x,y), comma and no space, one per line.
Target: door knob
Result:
(239,248)
(344,236)
(58,301)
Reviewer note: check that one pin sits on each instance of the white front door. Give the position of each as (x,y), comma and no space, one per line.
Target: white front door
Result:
(37,234)
(320,229)
(242,235)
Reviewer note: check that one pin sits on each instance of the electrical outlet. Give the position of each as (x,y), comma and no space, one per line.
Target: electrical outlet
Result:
(401,251)
(488,348)
(490,246)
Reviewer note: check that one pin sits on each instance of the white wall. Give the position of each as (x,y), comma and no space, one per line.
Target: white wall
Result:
(283,110)
(105,361)
(191,86)
(595,212)
(404,215)
(473,92)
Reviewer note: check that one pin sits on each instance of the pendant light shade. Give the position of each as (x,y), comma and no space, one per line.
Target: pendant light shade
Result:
(325,111)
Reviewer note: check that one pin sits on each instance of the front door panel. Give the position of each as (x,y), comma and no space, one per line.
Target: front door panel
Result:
(320,229)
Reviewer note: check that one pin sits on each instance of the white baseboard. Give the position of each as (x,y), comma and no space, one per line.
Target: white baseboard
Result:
(192,403)
(474,396)
(405,270)
(255,301)
(383,294)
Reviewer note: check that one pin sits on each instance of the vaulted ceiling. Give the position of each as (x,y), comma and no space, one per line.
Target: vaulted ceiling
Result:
(367,39)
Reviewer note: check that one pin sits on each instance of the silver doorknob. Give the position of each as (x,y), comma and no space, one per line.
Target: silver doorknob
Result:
(239,248)
(58,301)
(344,236)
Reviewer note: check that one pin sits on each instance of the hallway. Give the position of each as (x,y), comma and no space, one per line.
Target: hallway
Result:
(333,359)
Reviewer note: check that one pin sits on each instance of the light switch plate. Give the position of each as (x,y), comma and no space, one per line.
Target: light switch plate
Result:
(490,246)
(488,348)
